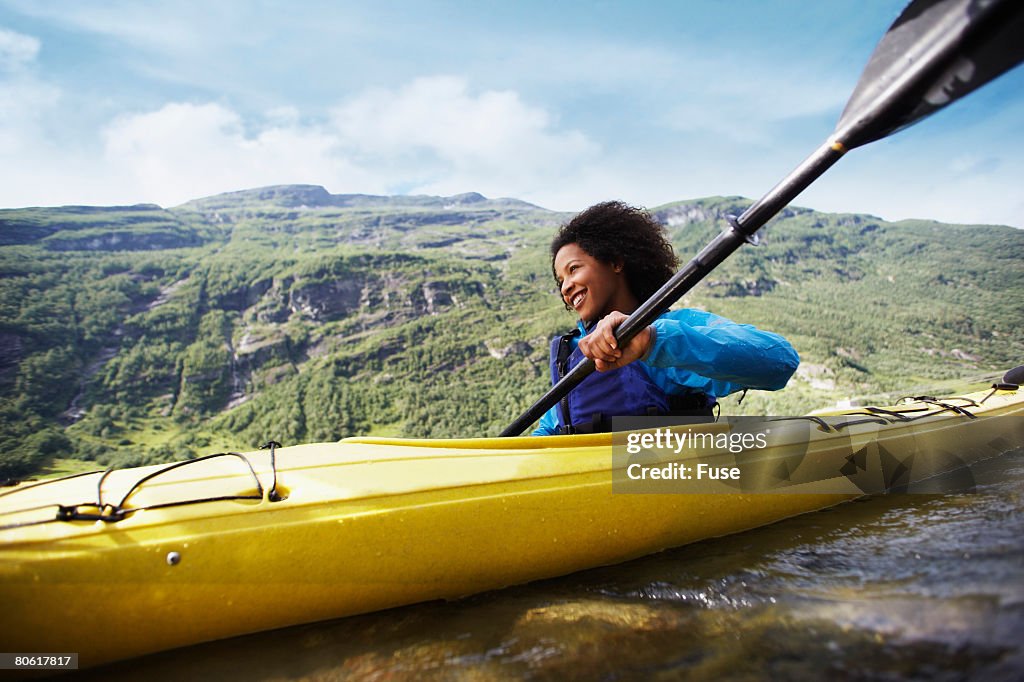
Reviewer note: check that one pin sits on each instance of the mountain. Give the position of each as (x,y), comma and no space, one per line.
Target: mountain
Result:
(134,334)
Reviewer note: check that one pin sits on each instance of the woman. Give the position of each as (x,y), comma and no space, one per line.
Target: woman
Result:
(607,261)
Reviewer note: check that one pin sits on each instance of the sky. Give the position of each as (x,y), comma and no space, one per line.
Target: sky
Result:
(556,102)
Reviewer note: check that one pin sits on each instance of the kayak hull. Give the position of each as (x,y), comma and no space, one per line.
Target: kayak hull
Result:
(368,524)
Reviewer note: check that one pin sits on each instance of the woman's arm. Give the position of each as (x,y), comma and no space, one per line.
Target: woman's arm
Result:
(548,425)
(733,356)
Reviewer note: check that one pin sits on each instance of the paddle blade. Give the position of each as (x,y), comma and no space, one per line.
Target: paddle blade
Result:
(936,52)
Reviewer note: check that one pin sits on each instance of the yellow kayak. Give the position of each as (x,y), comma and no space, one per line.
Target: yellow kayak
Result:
(112,565)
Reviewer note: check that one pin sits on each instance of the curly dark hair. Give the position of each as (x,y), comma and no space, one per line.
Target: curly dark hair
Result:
(614,232)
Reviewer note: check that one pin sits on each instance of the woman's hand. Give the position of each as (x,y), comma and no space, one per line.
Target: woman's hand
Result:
(601,347)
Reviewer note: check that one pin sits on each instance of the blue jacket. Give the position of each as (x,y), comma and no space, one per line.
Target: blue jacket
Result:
(694,351)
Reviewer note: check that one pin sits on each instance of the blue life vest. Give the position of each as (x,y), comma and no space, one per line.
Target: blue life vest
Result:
(625,391)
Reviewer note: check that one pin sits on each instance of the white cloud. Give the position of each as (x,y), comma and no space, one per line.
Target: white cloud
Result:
(17,49)
(433,135)
(23,106)
(447,139)
(184,151)
(25,101)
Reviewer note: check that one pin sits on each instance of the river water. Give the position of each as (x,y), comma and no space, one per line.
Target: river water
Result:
(897,587)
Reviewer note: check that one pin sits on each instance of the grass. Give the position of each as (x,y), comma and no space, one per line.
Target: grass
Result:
(59,467)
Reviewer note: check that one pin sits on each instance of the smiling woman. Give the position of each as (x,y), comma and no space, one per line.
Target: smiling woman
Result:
(606,261)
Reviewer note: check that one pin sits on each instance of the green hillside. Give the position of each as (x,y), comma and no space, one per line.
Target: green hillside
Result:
(138,334)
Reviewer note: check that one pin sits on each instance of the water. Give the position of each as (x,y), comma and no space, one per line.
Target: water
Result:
(899,587)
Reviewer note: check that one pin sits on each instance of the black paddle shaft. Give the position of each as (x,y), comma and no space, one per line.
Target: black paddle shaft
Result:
(936,52)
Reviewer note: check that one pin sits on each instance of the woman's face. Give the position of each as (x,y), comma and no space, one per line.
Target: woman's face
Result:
(591,287)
